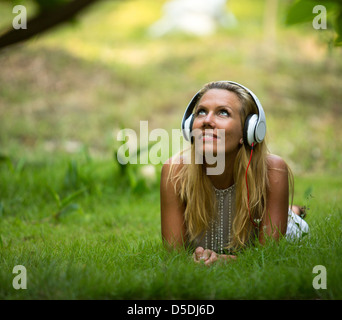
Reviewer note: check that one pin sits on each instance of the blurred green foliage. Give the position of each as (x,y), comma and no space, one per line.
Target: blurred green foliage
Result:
(75,86)
(301,11)
(41,4)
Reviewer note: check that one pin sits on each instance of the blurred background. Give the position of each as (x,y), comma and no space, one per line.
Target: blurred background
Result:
(81,222)
(116,63)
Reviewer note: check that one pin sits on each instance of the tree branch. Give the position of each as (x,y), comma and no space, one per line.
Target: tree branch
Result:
(44,21)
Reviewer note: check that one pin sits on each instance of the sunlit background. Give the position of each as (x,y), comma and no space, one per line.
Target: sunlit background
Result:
(122,62)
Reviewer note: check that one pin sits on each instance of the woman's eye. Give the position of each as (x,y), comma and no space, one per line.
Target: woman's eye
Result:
(224,113)
(201,112)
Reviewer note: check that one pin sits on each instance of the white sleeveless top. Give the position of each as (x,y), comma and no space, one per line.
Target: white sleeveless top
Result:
(219,232)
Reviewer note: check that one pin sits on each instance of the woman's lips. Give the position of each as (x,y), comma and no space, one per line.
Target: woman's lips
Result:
(209,137)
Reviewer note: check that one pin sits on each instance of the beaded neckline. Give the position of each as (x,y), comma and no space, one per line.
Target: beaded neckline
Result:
(214,236)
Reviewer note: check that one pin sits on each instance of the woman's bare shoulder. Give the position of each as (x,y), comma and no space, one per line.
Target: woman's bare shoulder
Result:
(276,162)
(177,162)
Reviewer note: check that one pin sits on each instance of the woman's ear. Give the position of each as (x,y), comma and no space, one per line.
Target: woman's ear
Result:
(241,141)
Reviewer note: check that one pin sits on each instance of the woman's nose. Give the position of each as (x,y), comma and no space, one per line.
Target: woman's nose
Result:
(209,120)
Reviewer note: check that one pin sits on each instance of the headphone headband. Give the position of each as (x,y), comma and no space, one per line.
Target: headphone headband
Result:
(252,134)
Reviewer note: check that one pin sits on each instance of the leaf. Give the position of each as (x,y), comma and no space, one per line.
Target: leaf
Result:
(302,11)
(56,197)
(71,197)
(338,28)
(338,41)
(299,12)
(72,176)
(72,207)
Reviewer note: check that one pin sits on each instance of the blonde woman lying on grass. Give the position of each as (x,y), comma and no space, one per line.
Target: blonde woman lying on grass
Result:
(219,213)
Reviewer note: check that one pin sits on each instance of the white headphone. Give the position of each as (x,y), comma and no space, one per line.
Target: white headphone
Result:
(254,130)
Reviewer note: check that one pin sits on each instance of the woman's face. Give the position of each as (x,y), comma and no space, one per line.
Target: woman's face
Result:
(218,109)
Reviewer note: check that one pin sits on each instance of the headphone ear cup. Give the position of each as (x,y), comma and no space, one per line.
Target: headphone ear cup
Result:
(245,129)
(187,128)
(249,129)
(191,124)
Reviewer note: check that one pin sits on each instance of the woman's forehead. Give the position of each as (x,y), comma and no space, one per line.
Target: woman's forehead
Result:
(220,97)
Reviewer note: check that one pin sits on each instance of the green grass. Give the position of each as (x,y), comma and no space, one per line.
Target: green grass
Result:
(108,245)
(86,228)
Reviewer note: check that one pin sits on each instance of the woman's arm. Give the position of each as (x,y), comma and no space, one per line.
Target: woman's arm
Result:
(274,223)
(172,212)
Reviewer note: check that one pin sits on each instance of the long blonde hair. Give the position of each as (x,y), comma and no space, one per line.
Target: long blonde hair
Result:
(197,193)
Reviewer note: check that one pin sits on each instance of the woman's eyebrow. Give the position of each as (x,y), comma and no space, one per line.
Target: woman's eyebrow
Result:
(223,106)
(226,107)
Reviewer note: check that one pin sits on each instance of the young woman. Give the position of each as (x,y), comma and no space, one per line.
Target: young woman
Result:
(218,214)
